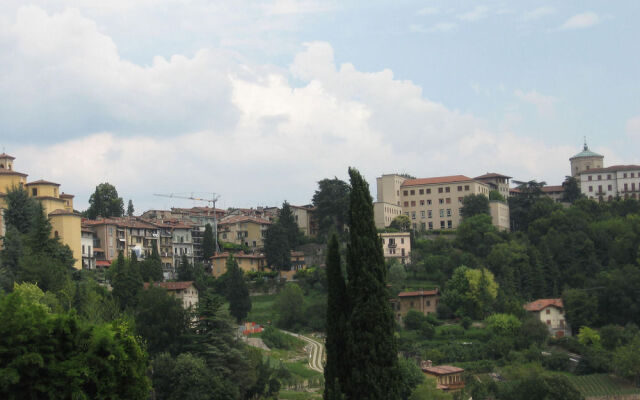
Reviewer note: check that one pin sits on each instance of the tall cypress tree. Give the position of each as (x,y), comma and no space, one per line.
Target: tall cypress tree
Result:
(336,367)
(374,372)
(236,290)
(208,243)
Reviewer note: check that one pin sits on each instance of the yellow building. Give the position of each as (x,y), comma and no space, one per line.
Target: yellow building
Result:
(396,245)
(243,230)
(65,221)
(246,262)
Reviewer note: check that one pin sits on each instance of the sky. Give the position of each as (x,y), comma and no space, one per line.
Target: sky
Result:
(257,101)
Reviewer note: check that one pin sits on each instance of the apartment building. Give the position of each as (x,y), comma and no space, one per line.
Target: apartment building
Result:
(396,245)
(303,215)
(186,292)
(432,203)
(243,230)
(65,221)
(611,182)
(182,243)
(246,262)
(87,241)
(496,181)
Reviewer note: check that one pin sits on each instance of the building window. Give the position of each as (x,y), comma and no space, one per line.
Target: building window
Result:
(447,189)
(441,224)
(632,174)
(406,213)
(599,188)
(429,213)
(413,203)
(449,224)
(34,192)
(460,200)
(422,214)
(430,226)
(423,226)
(609,187)
(624,175)
(415,226)
(428,191)
(448,200)
(421,202)
(83,249)
(405,192)
(608,176)
(548,311)
(440,190)
(626,187)
(421,191)
(406,204)
(441,201)
(441,213)
(401,240)
(428,202)
(56,234)
(591,188)
(428,303)
(413,192)
(448,212)
(466,188)
(459,188)
(413,215)
(599,177)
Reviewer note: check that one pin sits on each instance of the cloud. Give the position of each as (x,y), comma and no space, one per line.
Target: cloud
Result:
(632,127)
(215,122)
(539,13)
(283,7)
(438,27)
(580,21)
(545,104)
(428,11)
(478,13)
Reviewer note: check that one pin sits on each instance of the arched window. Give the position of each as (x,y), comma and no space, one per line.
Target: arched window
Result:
(55,234)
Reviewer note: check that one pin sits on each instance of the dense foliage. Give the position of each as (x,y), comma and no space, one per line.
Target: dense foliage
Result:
(104,202)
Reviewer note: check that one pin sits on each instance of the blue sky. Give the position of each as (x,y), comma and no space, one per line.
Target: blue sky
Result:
(259,100)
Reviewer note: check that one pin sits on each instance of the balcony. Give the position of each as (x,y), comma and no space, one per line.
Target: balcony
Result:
(392,245)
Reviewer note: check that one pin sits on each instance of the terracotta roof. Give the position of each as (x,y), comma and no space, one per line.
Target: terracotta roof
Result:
(243,218)
(492,175)
(238,255)
(65,212)
(5,155)
(541,304)
(66,196)
(42,182)
(103,263)
(438,179)
(442,369)
(612,168)
(170,285)
(433,292)
(11,172)
(548,189)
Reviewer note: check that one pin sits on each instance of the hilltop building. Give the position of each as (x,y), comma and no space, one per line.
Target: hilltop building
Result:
(585,160)
(436,203)
(551,312)
(425,301)
(58,206)
(396,245)
(448,378)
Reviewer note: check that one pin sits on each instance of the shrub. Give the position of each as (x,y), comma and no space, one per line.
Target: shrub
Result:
(466,323)
(414,319)
(278,340)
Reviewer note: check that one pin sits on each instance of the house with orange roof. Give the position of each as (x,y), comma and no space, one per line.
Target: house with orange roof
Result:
(435,203)
(424,301)
(185,291)
(448,378)
(551,312)
(243,230)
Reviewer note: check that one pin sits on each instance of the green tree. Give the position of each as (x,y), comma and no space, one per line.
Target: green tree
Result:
(290,306)
(126,281)
(276,248)
(372,350)
(288,223)
(401,223)
(495,195)
(521,203)
(331,200)
(236,290)
(20,210)
(626,360)
(105,202)
(151,267)
(581,308)
(336,367)
(50,355)
(475,204)
(208,243)
(477,235)
(130,209)
(185,270)
(160,320)
(397,273)
(470,292)
(571,188)
(503,324)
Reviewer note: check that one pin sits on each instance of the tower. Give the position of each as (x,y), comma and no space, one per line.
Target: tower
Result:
(585,160)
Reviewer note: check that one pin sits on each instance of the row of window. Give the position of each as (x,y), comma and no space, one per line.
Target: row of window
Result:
(429,213)
(447,189)
(428,202)
(624,175)
(429,225)
(610,188)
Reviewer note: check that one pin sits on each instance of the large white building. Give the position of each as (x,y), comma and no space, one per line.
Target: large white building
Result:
(608,183)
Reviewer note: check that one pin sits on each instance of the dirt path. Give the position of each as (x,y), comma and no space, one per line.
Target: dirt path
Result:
(315,349)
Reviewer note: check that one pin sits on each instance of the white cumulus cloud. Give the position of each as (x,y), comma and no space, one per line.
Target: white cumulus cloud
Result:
(580,21)
(544,104)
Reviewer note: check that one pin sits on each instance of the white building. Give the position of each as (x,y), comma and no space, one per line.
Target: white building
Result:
(396,245)
(551,312)
(87,240)
(611,182)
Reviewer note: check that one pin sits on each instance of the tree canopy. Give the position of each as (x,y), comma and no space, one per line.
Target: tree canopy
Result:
(105,202)
(331,200)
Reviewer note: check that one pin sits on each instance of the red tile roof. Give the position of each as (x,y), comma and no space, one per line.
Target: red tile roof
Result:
(5,155)
(42,182)
(243,218)
(438,179)
(237,255)
(66,196)
(433,292)
(65,212)
(443,370)
(103,263)
(541,304)
(492,175)
(170,285)
(549,189)
(11,172)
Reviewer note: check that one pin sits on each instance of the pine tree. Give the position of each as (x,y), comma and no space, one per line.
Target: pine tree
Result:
(288,223)
(130,209)
(236,290)
(126,280)
(151,267)
(208,243)
(374,372)
(336,367)
(185,270)
(20,209)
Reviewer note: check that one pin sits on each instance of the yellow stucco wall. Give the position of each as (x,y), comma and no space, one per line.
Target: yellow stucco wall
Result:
(69,232)
(43,189)
(7,181)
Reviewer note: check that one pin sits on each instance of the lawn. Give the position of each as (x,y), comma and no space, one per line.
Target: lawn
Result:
(262,309)
(603,385)
(291,395)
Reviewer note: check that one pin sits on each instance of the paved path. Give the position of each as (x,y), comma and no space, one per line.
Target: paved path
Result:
(316,351)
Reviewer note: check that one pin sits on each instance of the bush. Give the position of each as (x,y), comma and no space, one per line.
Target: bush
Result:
(557,361)
(413,319)
(278,340)
(466,323)
(427,330)
(451,331)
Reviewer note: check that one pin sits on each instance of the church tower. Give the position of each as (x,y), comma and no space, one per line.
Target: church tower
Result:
(585,160)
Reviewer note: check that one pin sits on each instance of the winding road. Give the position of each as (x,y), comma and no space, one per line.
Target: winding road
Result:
(315,349)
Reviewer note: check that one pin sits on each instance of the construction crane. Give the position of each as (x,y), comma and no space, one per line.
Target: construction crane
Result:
(212,200)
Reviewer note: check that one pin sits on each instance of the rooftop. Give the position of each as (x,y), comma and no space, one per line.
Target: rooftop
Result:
(170,285)
(419,293)
(244,218)
(5,155)
(42,182)
(492,175)
(541,304)
(435,180)
(586,152)
(613,168)
(10,172)
(237,255)
(443,369)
